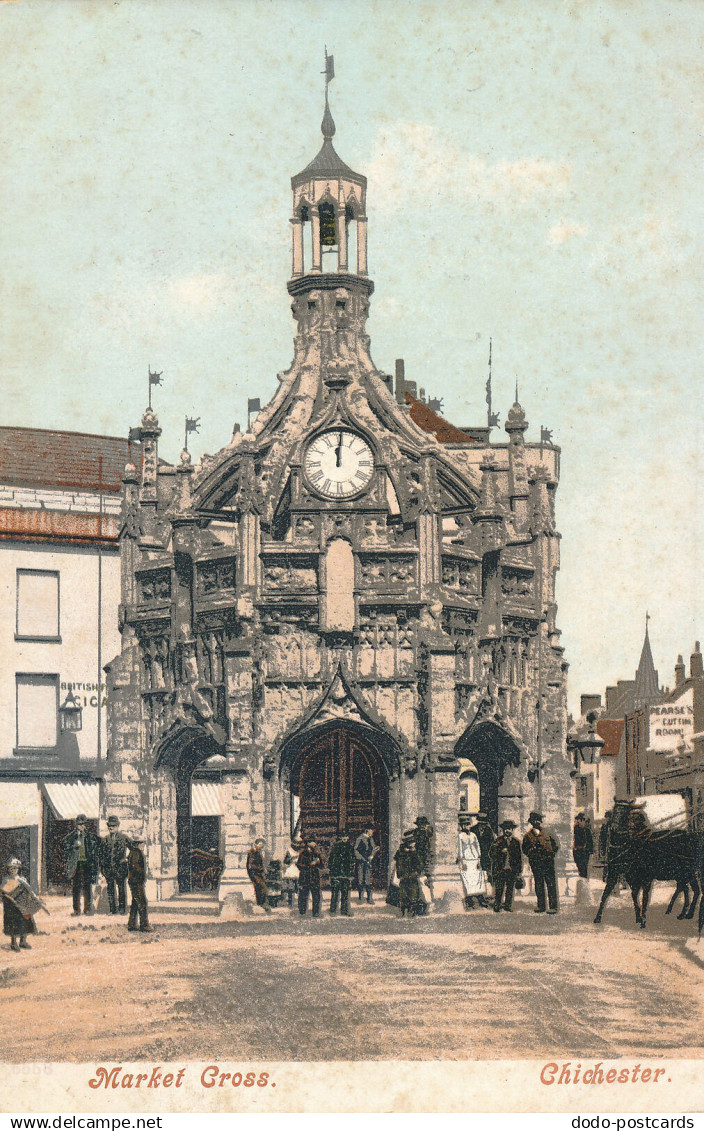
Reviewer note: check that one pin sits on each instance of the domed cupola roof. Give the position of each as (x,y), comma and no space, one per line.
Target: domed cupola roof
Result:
(327,163)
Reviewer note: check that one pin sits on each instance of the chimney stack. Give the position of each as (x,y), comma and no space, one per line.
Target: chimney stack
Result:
(589,703)
(680,672)
(696,662)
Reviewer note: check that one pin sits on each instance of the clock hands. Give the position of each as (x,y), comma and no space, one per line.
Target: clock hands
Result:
(338,452)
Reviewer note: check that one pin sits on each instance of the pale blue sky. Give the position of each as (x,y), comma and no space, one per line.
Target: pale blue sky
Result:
(534,176)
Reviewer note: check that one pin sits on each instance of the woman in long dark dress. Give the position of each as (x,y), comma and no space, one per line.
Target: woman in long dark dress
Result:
(15,924)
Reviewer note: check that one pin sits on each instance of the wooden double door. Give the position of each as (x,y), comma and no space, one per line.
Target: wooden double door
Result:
(341,783)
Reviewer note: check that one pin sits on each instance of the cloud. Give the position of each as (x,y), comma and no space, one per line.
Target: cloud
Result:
(413,164)
(565,230)
(647,246)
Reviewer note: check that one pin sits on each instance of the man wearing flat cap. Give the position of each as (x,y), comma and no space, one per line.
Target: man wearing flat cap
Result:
(507,865)
(113,865)
(341,868)
(541,848)
(81,850)
(582,844)
(136,878)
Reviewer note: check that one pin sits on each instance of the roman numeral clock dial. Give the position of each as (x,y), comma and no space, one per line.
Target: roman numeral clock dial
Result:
(339,464)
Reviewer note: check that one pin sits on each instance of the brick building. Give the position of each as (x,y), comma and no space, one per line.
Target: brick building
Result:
(350,604)
(60,499)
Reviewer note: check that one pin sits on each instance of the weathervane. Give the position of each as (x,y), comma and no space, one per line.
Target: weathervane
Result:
(192,425)
(154,379)
(329,71)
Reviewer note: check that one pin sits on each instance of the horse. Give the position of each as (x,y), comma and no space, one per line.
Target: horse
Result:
(642,854)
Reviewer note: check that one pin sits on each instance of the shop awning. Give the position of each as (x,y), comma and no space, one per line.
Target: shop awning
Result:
(19,804)
(205,799)
(68,799)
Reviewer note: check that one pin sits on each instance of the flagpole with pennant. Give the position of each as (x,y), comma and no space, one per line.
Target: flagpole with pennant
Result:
(492,418)
(192,425)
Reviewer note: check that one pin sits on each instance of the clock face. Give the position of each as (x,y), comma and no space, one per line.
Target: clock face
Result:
(339,464)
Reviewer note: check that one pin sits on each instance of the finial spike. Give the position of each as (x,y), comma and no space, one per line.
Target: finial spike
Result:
(516,390)
(327,125)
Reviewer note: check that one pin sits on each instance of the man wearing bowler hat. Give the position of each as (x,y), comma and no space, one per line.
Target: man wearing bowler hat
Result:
(541,848)
(507,865)
(113,865)
(81,849)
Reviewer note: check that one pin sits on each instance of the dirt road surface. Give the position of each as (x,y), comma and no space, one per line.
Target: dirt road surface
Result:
(470,986)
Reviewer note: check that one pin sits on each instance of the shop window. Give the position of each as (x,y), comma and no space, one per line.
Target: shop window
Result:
(37,605)
(37,711)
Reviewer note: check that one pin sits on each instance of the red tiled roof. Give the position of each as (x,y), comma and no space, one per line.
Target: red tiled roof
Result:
(42,457)
(429,421)
(58,526)
(611,731)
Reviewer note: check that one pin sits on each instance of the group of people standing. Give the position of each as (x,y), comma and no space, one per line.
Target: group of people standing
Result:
(303,865)
(119,858)
(486,860)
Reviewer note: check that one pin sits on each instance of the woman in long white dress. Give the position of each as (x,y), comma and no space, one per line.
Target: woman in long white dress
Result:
(472,874)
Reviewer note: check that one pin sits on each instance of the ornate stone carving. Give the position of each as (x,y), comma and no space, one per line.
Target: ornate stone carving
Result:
(461,575)
(154,586)
(517,584)
(387,573)
(212,577)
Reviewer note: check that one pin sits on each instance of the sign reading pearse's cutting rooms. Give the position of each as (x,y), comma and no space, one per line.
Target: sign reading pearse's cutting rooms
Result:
(671,724)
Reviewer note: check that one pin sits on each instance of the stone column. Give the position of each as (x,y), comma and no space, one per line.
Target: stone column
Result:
(341,240)
(362,245)
(235,885)
(317,257)
(298,264)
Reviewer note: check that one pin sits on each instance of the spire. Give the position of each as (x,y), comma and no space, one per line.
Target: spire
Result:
(647,689)
(327,163)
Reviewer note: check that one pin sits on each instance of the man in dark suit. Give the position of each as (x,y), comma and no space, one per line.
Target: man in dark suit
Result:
(81,849)
(113,865)
(136,878)
(310,863)
(541,848)
(257,874)
(582,844)
(507,865)
(341,865)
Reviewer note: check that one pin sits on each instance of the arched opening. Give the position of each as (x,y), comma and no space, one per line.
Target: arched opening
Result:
(328,237)
(338,780)
(489,750)
(195,759)
(469,790)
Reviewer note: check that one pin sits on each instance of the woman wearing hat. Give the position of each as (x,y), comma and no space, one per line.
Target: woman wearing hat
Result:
(17,924)
(408,869)
(469,858)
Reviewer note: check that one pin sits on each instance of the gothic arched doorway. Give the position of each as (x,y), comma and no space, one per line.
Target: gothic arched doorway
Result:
(490,750)
(338,781)
(194,758)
